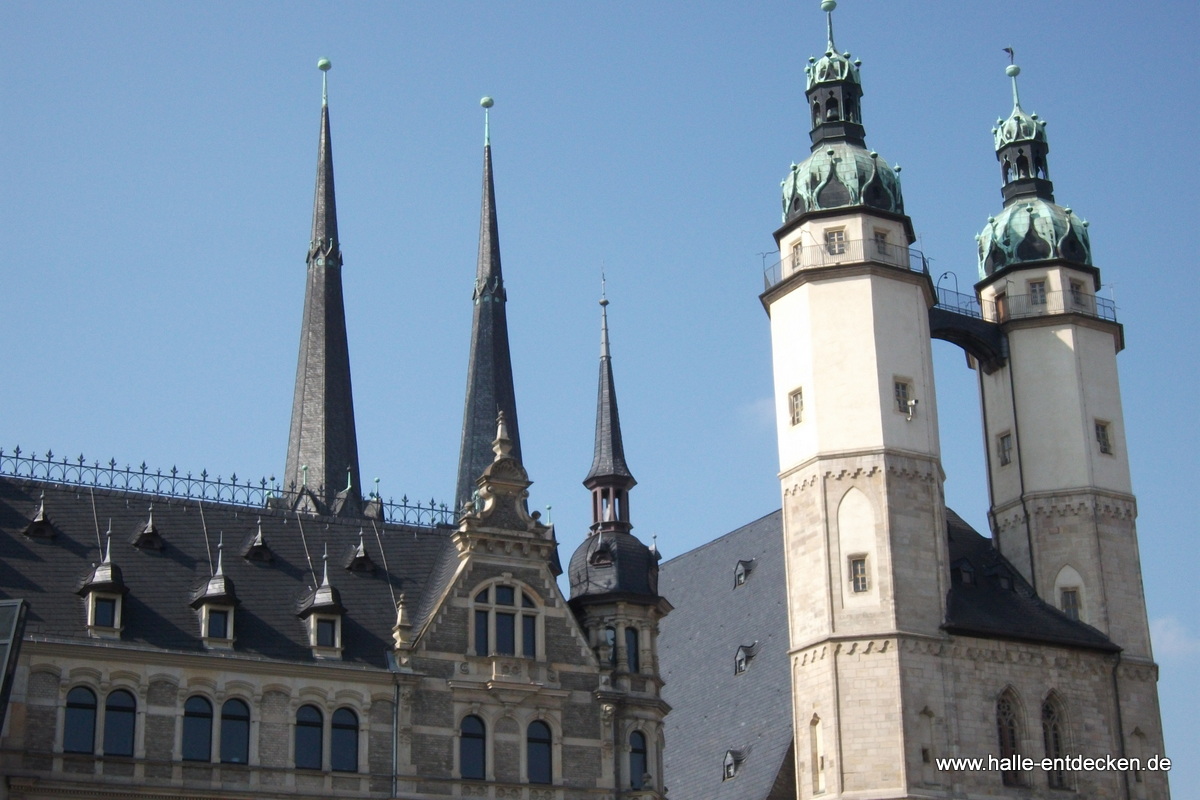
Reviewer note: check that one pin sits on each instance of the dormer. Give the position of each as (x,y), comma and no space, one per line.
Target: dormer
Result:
(322,612)
(146,536)
(103,591)
(215,602)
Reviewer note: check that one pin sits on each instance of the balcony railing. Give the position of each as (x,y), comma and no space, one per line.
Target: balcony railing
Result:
(1071,301)
(172,483)
(850,251)
(966,304)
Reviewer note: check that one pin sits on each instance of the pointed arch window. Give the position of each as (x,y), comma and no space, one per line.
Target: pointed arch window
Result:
(235,732)
(120,716)
(1054,738)
(197,729)
(79,723)
(637,760)
(343,741)
(1008,731)
(309,724)
(816,754)
(539,758)
(472,748)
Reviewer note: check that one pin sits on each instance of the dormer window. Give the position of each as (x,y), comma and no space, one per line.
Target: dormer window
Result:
(506,622)
(741,572)
(103,591)
(215,601)
(741,660)
(732,763)
(963,573)
(322,614)
(105,611)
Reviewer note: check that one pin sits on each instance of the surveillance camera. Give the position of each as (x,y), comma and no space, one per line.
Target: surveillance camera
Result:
(912,403)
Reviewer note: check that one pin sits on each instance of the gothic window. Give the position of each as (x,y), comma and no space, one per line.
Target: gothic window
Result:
(816,114)
(858,574)
(120,714)
(796,406)
(637,760)
(1008,737)
(197,729)
(79,723)
(538,753)
(472,759)
(632,659)
(1102,437)
(343,741)
(1070,603)
(1054,739)
(502,627)
(235,732)
(309,724)
(1004,448)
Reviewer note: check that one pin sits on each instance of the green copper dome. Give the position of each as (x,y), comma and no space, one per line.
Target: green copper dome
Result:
(831,68)
(1019,127)
(1032,230)
(841,175)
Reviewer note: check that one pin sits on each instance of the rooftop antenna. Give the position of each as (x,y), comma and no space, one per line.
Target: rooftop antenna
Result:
(304,541)
(1012,71)
(95,519)
(207,546)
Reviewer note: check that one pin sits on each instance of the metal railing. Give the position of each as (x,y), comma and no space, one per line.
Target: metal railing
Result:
(255,494)
(849,251)
(1071,301)
(966,304)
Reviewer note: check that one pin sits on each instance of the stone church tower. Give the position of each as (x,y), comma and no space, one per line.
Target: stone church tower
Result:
(912,637)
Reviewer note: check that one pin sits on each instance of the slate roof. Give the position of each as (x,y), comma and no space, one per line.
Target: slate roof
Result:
(162,583)
(988,609)
(714,710)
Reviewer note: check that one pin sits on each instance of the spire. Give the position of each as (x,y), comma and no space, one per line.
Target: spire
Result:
(828,6)
(489,367)
(322,445)
(609,478)
(1021,149)
(834,91)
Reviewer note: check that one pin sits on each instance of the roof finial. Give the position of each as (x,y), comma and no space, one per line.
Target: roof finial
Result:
(487,103)
(1012,71)
(325,569)
(502,447)
(108,544)
(603,319)
(220,555)
(324,64)
(828,6)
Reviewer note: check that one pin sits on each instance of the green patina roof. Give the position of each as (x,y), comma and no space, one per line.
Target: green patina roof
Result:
(841,175)
(1032,230)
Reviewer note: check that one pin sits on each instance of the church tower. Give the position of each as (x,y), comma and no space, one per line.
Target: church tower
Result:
(863,511)
(614,594)
(1063,510)
(489,367)
(322,460)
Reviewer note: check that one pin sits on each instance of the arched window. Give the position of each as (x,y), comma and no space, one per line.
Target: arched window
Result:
(831,109)
(502,627)
(1008,734)
(631,649)
(610,639)
(637,760)
(472,756)
(816,754)
(343,741)
(538,753)
(1054,737)
(197,729)
(120,714)
(309,722)
(235,732)
(79,725)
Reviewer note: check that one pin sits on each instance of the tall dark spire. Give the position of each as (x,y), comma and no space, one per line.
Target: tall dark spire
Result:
(489,369)
(609,478)
(322,459)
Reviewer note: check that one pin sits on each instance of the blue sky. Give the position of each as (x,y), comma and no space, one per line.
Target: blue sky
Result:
(158,170)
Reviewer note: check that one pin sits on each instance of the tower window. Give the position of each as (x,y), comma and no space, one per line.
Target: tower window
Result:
(1069,600)
(796,406)
(1004,447)
(632,657)
(903,393)
(835,241)
(637,760)
(858,574)
(1102,437)
(1077,293)
(1037,293)
(797,250)
(881,242)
